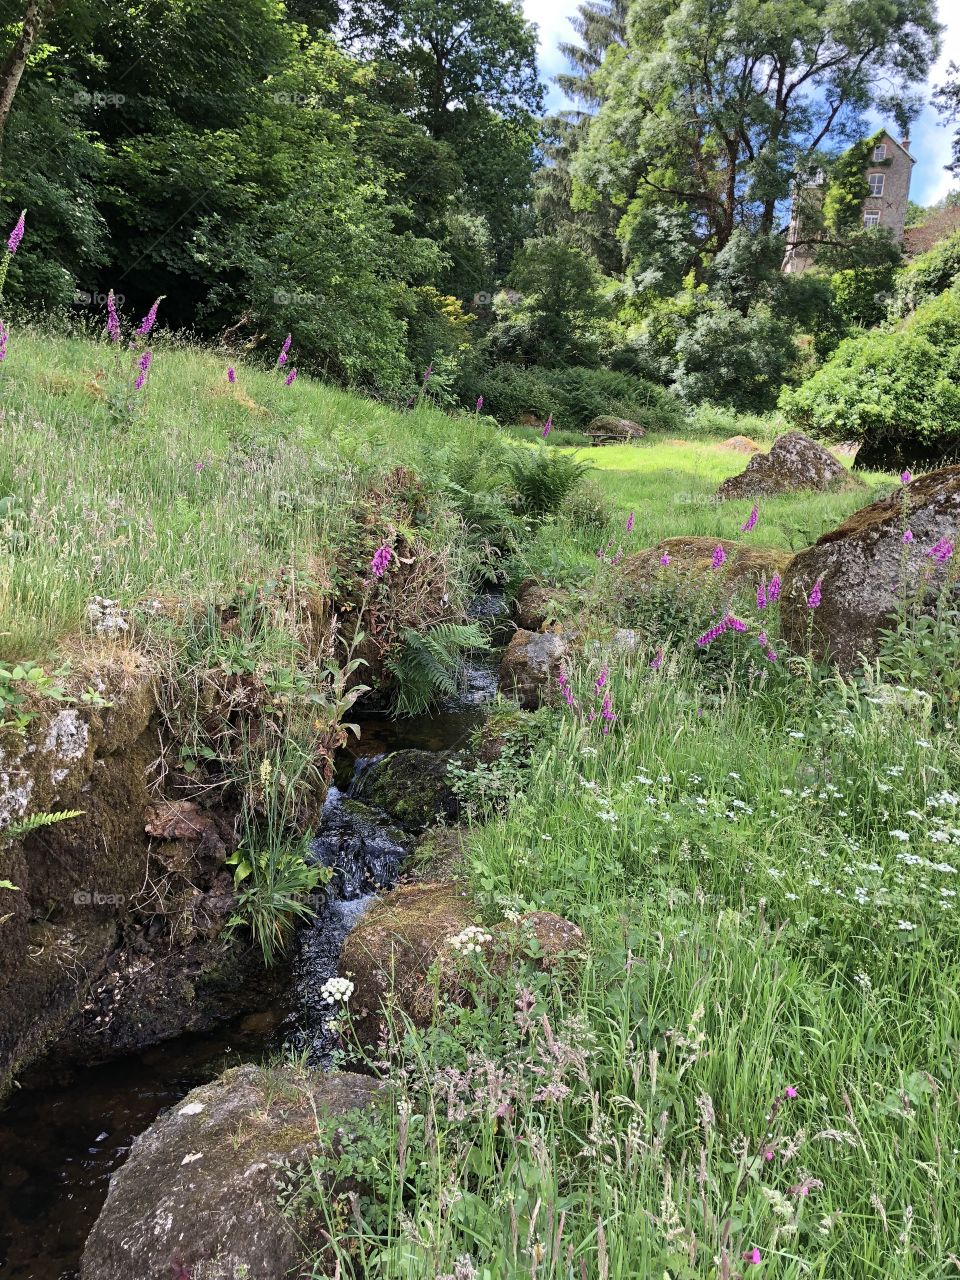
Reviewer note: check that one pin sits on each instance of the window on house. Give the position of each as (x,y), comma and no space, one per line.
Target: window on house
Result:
(880,151)
(871,219)
(876,184)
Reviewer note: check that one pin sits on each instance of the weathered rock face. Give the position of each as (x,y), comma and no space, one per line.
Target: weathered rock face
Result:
(865,567)
(536,605)
(794,464)
(197,1195)
(690,560)
(607,430)
(412,787)
(115,937)
(402,954)
(530,666)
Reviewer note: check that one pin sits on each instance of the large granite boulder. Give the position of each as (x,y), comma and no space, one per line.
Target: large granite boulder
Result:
(794,464)
(197,1196)
(865,566)
(407,954)
(530,667)
(689,561)
(536,605)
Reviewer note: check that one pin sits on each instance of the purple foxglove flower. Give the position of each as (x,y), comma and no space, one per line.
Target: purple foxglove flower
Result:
(751,523)
(773,591)
(608,713)
(762,596)
(16,235)
(143,364)
(381,561)
(736,624)
(905,477)
(547,426)
(816,595)
(657,661)
(630,523)
(150,319)
(479,403)
(941,551)
(719,556)
(197,467)
(601,680)
(284,351)
(113,320)
(4,335)
(664,559)
(291,376)
(770,656)
(231,375)
(908,536)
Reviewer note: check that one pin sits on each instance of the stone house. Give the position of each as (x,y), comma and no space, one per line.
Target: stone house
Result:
(888,173)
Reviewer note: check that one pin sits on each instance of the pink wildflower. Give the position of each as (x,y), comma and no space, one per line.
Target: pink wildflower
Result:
(630,523)
(428,374)
(607,712)
(16,235)
(770,656)
(601,680)
(113,320)
(547,426)
(816,595)
(753,1256)
(284,351)
(664,559)
(762,596)
(143,364)
(908,536)
(719,556)
(905,477)
(657,661)
(291,376)
(149,320)
(941,551)
(790,1091)
(751,523)
(231,375)
(479,403)
(773,591)
(381,560)
(4,335)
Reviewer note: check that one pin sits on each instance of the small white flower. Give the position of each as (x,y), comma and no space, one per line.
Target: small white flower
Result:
(905,926)
(471,941)
(900,835)
(336,991)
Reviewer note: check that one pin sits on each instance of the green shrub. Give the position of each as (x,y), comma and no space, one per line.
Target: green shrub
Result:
(544,478)
(574,396)
(926,276)
(938,321)
(895,393)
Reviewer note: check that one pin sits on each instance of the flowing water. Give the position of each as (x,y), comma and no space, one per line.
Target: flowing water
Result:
(59,1144)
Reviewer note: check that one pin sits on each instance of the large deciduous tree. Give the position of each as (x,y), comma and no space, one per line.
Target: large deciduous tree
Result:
(713,108)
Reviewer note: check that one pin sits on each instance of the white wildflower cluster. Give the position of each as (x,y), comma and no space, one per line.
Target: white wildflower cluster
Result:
(107,617)
(471,941)
(336,991)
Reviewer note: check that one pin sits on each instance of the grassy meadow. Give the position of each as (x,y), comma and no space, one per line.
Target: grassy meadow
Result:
(753,1069)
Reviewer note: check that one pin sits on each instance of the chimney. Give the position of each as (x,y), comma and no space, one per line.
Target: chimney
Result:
(905,142)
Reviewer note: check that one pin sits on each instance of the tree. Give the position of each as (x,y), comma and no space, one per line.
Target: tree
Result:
(713,109)
(36,14)
(459,54)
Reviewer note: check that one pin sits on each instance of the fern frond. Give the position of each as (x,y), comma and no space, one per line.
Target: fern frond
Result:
(38,820)
(428,664)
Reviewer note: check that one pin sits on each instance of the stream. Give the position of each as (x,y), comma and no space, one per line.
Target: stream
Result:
(60,1143)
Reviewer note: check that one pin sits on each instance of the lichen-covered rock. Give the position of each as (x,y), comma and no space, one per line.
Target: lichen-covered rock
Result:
(438,854)
(530,666)
(690,561)
(864,567)
(412,787)
(407,953)
(794,464)
(610,430)
(537,605)
(197,1196)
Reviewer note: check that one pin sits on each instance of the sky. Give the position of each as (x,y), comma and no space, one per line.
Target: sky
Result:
(929,138)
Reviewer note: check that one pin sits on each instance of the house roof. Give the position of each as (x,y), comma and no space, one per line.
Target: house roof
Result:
(888,137)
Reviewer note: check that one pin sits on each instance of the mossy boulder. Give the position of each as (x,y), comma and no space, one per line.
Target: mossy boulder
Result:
(612,430)
(403,956)
(690,563)
(412,788)
(795,464)
(197,1196)
(865,568)
(537,606)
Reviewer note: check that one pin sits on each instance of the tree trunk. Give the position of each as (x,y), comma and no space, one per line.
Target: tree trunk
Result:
(36,14)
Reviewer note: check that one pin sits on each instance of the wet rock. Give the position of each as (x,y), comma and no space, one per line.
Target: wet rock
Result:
(865,567)
(404,953)
(536,606)
(794,464)
(184,820)
(609,430)
(412,787)
(197,1195)
(690,561)
(438,855)
(530,667)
